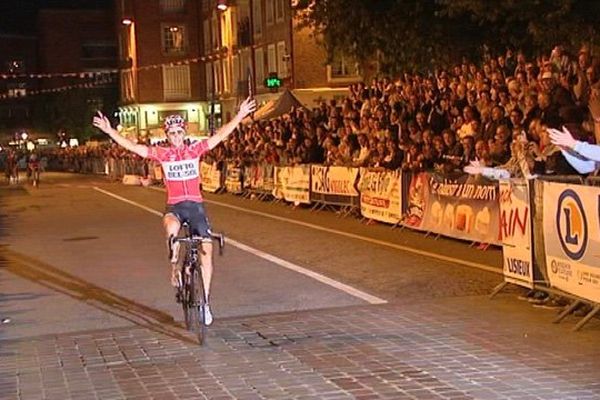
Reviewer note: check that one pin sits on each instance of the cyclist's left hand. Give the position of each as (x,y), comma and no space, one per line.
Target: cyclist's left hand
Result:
(247,107)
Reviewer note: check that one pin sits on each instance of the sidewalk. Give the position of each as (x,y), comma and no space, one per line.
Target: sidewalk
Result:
(454,348)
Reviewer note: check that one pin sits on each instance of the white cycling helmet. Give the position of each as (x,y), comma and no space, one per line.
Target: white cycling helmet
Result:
(174,121)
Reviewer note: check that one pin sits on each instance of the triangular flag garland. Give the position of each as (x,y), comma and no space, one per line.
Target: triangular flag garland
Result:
(87,85)
(94,74)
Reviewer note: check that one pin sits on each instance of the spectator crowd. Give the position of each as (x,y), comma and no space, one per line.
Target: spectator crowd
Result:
(496,111)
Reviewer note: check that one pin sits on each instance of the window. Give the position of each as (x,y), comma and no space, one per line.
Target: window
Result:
(218,74)
(172,6)
(259,59)
(270,12)
(282,60)
(226,75)
(235,75)
(279,10)
(343,67)
(174,39)
(245,64)
(176,82)
(214,33)
(257,17)
(209,79)
(244,34)
(206,32)
(16,89)
(15,67)
(233,22)
(271,59)
(99,50)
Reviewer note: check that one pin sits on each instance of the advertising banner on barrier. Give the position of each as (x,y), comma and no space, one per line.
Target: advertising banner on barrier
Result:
(259,177)
(233,179)
(334,180)
(334,185)
(252,177)
(464,208)
(267,183)
(572,238)
(211,177)
(380,195)
(293,183)
(516,232)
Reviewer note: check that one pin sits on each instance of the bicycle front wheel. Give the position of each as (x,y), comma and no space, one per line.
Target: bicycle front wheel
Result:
(195,309)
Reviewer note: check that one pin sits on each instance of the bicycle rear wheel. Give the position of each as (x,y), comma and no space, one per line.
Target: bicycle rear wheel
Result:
(196,304)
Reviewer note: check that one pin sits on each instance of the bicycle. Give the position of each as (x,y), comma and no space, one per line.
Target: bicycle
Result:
(35,177)
(190,291)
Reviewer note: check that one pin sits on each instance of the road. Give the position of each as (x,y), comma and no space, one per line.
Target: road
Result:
(307,305)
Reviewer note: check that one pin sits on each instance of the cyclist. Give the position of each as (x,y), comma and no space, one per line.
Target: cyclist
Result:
(33,169)
(180,162)
(12,167)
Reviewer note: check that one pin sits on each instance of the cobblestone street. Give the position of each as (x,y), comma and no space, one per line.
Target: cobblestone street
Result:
(462,348)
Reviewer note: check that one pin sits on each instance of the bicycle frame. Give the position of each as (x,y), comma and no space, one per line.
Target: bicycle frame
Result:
(191,292)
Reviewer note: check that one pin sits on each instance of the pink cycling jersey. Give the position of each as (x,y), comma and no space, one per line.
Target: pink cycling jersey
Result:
(181,170)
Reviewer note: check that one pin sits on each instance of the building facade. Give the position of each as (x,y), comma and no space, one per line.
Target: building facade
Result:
(195,57)
(18,61)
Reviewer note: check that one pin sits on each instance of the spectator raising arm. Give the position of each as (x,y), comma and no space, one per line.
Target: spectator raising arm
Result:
(594,107)
(584,157)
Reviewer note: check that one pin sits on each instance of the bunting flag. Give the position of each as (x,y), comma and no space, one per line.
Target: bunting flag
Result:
(87,85)
(82,75)
(95,74)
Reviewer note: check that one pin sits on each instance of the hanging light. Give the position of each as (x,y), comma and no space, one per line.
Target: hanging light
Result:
(222,5)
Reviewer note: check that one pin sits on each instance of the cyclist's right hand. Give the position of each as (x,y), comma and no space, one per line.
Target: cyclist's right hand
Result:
(101,122)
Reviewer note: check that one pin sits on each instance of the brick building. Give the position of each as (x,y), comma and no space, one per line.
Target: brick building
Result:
(18,59)
(160,70)
(181,56)
(75,41)
(65,50)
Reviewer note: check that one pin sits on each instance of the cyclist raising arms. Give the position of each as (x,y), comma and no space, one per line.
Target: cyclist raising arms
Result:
(181,166)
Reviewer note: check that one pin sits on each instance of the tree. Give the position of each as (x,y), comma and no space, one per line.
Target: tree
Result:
(72,110)
(422,34)
(533,25)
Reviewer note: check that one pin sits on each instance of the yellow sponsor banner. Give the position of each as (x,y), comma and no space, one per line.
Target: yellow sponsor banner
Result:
(572,238)
(380,194)
(211,177)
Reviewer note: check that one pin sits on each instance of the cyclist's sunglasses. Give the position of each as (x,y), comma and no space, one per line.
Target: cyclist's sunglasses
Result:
(177,132)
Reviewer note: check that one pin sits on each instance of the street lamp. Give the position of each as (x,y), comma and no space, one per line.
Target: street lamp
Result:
(126,21)
(222,5)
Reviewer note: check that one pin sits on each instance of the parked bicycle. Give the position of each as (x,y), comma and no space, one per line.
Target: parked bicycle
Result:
(190,290)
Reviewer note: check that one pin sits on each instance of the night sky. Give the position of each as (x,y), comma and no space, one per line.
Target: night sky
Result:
(19,16)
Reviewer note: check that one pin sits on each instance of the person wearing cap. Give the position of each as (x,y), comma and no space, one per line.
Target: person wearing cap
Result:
(180,162)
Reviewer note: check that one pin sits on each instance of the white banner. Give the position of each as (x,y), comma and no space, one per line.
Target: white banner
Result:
(233,179)
(516,232)
(380,195)
(293,183)
(211,177)
(572,238)
(334,180)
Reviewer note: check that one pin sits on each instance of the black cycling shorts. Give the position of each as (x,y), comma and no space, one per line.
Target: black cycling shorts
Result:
(193,213)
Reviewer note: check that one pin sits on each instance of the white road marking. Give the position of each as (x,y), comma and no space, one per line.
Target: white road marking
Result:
(276,260)
(440,257)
